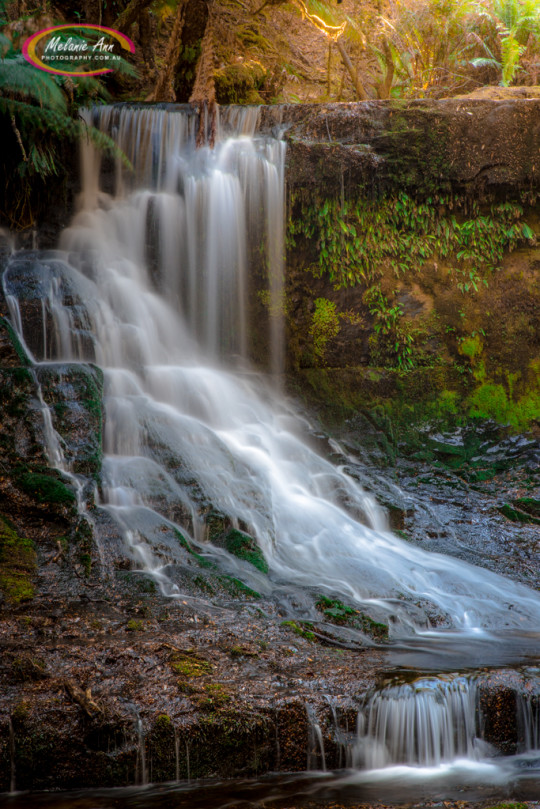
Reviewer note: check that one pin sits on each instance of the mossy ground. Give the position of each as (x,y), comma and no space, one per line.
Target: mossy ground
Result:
(18,564)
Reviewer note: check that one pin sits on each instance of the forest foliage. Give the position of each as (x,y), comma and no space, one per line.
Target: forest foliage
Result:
(248,51)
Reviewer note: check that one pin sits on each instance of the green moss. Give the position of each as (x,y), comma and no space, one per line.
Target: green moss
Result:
(46,489)
(489,401)
(134,626)
(189,667)
(518,514)
(204,585)
(241,651)
(377,630)
(447,403)
(471,346)
(237,588)
(246,548)
(201,560)
(86,561)
(17,564)
(215,697)
(324,326)
(303,630)
(529,505)
(341,614)
(239,83)
(21,375)
(508,806)
(20,712)
(216,525)
(163,721)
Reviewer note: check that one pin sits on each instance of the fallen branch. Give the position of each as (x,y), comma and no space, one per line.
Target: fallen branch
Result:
(83,698)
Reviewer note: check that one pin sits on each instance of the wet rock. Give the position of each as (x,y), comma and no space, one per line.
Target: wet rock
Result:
(74,393)
(509,705)
(40,282)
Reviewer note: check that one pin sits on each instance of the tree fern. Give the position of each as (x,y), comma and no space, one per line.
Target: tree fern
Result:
(20,79)
(42,110)
(515,22)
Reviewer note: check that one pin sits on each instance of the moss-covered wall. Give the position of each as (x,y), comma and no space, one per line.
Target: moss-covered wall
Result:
(412,259)
(38,505)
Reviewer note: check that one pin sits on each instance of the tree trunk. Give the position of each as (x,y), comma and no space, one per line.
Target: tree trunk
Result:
(203,95)
(130,14)
(145,39)
(384,87)
(164,90)
(358,86)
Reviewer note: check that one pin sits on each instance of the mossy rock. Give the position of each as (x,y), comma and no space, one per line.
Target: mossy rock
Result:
(245,547)
(12,352)
(343,615)
(189,666)
(523,510)
(239,83)
(216,524)
(161,743)
(303,629)
(529,505)
(46,489)
(17,564)
(74,392)
(201,560)
(237,588)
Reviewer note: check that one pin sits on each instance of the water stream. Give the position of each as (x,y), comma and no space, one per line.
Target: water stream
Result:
(153,282)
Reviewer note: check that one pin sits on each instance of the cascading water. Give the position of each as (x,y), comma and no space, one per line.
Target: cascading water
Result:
(423,723)
(153,285)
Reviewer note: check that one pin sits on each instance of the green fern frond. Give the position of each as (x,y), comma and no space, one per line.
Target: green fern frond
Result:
(41,160)
(20,79)
(482,61)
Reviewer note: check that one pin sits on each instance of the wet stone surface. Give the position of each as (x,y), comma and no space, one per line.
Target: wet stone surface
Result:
(472,492)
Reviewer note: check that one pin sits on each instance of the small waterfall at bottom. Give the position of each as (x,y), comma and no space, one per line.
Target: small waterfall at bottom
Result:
(316,757)
(427,722)
(141,774)
(528,721)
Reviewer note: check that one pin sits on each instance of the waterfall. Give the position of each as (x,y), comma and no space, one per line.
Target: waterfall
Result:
(316,757)
(528,717)
(141,773)
(155,282)
(428,722)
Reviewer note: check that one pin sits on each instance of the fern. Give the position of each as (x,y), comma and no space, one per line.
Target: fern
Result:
(19,78)
(42,110)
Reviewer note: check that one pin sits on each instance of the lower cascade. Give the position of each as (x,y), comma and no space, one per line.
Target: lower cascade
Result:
(153,283)
(423,723)
(430,722)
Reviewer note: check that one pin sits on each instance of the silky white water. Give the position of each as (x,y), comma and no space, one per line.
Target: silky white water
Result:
(425,723)
(153,284)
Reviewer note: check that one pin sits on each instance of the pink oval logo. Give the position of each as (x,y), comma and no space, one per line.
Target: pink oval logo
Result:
(77,51)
